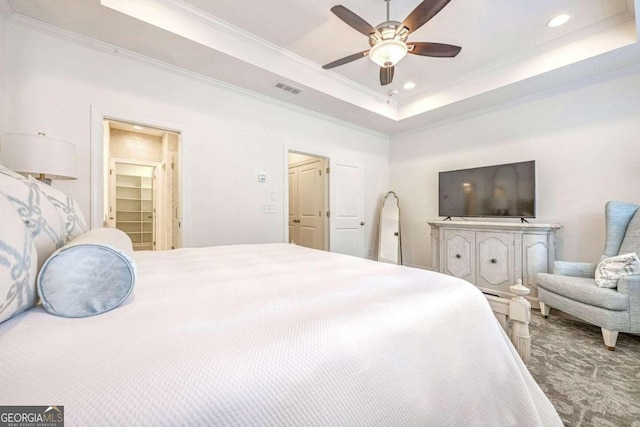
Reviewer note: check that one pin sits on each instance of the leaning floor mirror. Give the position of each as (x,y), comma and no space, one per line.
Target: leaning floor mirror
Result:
(389,241)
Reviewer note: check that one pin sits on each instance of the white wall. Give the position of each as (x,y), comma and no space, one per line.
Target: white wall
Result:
(229,137)
(586,144)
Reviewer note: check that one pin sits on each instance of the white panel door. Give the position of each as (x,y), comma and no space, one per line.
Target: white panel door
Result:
(347,208)
(110,222)
(293,205)
(310,203)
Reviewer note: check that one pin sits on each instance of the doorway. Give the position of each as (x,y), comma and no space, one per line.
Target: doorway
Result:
(308,201)
(142,184)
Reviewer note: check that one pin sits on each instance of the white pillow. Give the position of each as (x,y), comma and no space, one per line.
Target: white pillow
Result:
(40,217)
(609,271)
(18,261)
(67,208)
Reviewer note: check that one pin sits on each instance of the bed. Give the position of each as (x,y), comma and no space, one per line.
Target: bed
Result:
(245,335)
(275,334)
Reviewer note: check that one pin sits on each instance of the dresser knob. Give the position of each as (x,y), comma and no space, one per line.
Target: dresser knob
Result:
(458,256)
(494,261)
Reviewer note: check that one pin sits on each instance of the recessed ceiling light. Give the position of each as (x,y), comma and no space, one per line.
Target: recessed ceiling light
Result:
(137,127)
(409,85)
(558,20)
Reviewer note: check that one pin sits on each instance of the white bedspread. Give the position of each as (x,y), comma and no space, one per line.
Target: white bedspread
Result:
(275,335)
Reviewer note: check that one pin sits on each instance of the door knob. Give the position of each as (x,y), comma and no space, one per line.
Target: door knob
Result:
(458,256)
(494,261)
(362,223)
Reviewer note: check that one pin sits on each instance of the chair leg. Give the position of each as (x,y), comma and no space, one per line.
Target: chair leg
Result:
(610,338)
(544,309)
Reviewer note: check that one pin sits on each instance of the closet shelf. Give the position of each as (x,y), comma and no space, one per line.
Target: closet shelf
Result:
(134,197)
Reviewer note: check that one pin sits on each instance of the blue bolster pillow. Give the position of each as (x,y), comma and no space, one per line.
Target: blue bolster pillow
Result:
(92,274)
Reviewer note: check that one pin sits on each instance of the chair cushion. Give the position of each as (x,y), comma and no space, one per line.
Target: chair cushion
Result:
(583,290)
(631,240)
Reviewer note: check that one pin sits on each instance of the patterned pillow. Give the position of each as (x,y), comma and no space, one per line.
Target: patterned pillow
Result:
(18,260)
(41,218)
(610,270)
(67,208)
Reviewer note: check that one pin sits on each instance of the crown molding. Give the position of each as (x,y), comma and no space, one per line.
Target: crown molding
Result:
(91,43)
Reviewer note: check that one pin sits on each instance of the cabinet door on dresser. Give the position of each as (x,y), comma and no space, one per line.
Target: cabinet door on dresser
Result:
(535,259)
(495,255)
(459,254)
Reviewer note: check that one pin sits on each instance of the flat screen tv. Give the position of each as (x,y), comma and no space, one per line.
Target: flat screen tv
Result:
(504,191)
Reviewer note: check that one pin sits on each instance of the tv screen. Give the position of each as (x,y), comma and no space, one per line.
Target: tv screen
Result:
(507,190)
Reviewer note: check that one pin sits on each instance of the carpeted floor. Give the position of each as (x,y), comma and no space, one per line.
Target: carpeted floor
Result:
(587,384)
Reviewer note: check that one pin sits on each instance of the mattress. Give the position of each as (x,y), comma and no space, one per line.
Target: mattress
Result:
(275,334)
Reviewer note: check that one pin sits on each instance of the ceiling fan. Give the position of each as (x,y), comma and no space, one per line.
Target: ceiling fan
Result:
(388,40)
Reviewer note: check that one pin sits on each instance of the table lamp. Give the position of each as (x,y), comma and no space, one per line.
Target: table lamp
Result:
(43,157)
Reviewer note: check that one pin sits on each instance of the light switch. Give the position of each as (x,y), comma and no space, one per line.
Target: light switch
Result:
(269,209)
(274,196)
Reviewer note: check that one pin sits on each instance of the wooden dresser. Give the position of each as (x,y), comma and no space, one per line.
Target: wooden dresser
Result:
(493,255)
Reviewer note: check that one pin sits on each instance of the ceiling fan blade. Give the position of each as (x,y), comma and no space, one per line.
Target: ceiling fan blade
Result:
(353,20)
(346,60)
(437,50)
(423,13)
(386,75)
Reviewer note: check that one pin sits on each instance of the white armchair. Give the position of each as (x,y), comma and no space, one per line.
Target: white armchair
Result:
(572,287)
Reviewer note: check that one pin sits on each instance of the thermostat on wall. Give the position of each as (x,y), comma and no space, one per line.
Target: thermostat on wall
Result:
(262,177)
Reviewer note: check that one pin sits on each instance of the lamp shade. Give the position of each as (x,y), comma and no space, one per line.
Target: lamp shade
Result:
(38,155)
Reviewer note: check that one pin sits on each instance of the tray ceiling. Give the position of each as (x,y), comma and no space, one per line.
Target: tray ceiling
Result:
(508,51)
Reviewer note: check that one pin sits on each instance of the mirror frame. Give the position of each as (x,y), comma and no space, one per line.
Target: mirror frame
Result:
(384,201)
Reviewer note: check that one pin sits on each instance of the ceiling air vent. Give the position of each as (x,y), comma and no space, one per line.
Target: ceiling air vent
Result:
(287,88)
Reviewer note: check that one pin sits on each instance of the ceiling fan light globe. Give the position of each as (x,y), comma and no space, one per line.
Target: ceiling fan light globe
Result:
(388,53)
